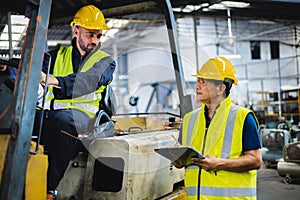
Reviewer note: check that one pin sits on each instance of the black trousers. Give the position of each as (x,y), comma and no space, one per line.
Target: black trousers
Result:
(60,147)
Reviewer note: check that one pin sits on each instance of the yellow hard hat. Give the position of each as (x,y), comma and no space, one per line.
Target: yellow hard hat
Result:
(217,68)
(90,17)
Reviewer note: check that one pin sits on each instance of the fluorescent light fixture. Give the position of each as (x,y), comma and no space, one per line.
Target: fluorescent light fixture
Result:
(223,5)
(177,9)
(234,4)
(217,6)
(186,10)
(190,8)
(204,5)
(193,7)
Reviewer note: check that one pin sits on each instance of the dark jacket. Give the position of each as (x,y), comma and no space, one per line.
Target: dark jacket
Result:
(101,73)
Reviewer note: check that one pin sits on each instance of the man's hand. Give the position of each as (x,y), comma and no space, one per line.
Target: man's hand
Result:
(52,81)
(3,68)
(43,78)
(250,160)
(208,163)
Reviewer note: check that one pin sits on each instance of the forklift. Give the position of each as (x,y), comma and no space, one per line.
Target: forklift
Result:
(138,172)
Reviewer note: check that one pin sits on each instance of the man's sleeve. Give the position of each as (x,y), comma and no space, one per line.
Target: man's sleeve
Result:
(251,136)
(82,83)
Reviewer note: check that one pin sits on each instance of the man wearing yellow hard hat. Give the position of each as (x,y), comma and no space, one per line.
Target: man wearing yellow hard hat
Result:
(79,75)
(226,134)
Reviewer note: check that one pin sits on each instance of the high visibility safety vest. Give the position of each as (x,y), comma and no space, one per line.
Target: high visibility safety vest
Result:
(223,139)
(88,103)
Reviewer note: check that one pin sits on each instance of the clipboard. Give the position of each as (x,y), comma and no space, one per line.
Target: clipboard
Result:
(180,156)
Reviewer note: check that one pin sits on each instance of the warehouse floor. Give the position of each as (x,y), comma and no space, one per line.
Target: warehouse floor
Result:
(270,186)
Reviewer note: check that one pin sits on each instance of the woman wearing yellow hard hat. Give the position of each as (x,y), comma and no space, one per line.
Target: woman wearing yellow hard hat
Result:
(226,134)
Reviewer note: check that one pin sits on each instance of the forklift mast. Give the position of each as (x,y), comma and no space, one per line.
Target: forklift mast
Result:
(16,126)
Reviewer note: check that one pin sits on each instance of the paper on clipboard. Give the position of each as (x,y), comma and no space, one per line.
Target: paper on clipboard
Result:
(180,156)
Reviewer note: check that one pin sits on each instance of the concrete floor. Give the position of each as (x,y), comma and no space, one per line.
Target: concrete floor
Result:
(270,186)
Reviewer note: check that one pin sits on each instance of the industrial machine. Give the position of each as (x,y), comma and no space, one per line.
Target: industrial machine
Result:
(281,148)
(289,166)
(273,141)
(124,166)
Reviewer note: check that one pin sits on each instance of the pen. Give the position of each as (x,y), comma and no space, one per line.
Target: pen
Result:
(177,143)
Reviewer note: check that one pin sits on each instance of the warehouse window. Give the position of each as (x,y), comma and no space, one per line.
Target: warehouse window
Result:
(274,47)
(255,49)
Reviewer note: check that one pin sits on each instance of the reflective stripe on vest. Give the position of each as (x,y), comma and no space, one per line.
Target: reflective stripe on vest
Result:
(191,125)
(221,192)
(227,143)
(192,191)
(87,103)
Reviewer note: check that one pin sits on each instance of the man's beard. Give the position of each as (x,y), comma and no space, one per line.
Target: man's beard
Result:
(85,48)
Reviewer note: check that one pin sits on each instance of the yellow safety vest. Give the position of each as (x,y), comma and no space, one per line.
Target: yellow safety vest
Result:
(223,140)
(87,103)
